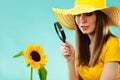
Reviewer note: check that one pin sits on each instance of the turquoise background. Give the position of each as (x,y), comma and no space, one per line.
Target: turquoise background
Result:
(24,22)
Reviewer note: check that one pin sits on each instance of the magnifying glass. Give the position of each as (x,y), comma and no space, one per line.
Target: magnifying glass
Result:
(60,32)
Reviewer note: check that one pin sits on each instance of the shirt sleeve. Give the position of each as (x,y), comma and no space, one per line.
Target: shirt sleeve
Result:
(113,50)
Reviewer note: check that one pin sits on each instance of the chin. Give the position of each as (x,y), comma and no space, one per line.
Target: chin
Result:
(84,32)
(87,32)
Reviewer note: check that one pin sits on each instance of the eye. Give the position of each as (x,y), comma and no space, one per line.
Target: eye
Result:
(89,14)
(78,15)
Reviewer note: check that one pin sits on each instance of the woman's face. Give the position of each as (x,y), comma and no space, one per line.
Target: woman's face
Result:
(86,22)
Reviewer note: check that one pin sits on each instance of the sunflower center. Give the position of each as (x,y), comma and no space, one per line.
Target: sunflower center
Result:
(35,56)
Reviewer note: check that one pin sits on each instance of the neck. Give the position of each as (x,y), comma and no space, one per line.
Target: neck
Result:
(92,38)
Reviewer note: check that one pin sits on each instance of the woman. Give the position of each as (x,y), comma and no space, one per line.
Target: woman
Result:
(97,55)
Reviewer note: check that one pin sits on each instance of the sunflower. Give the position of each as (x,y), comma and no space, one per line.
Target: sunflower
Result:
(35,56)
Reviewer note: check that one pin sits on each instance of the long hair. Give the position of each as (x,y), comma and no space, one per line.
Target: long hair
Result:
(102,34)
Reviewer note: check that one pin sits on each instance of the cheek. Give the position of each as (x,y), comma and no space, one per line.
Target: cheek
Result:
(93,21)
(77,20)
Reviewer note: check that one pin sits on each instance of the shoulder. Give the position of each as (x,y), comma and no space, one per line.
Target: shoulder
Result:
(112,44)
(113,41)
(111,50)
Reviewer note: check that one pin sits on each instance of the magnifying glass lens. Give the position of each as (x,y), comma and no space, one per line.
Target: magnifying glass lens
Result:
(60,31)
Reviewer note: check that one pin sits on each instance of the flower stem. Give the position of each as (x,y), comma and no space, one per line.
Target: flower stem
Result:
(31,71)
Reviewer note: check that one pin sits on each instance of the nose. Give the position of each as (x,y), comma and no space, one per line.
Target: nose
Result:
(82,18)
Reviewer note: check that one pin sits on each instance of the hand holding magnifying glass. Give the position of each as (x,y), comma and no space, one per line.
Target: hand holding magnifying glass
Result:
(60,32)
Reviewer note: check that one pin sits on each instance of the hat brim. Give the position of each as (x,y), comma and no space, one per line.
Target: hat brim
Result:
(66,16)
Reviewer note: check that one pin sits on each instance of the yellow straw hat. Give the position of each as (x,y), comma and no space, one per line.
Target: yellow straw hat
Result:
(66,16)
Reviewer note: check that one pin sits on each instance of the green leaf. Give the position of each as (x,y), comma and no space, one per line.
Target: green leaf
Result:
(18,54)
(28,65)
(42,73)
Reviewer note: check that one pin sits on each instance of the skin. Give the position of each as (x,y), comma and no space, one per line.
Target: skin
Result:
(86,23)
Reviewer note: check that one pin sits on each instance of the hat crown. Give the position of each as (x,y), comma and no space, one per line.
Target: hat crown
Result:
(93,3)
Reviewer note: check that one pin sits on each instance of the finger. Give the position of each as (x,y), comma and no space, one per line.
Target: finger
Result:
(66,48)
(65,44)
(66,52)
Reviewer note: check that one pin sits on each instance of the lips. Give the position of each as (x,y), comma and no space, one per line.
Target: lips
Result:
(84,27)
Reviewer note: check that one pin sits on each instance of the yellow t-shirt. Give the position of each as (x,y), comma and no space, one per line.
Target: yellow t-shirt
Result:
(110,52)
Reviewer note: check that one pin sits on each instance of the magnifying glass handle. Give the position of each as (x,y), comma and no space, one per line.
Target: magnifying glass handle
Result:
(64,41)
